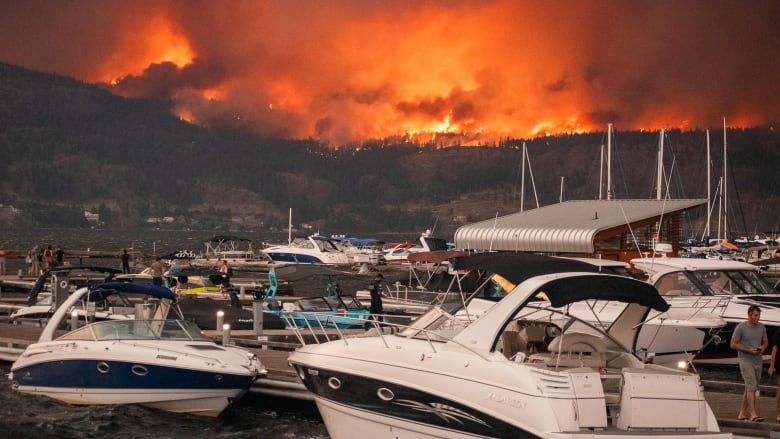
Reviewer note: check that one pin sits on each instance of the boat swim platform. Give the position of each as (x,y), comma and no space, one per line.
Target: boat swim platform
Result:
(275,346)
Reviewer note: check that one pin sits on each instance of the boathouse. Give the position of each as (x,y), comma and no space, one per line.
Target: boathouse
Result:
(608,229)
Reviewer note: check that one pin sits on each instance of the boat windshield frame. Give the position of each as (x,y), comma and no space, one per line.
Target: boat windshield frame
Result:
(136,329)
(734,282)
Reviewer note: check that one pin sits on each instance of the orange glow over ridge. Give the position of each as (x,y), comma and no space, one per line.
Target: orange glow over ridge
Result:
(457,72)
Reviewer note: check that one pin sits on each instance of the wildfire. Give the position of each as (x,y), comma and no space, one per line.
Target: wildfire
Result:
(463,71)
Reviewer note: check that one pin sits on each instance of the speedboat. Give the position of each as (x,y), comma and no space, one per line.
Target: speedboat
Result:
(399,252)
(672,337)
(314,249)
(724,287)
(53,287)
(162,363)
(441,378)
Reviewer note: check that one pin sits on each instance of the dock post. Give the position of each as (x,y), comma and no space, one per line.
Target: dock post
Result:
(225,334)
(74,320)
(220,319)
(242,291)
(257,321)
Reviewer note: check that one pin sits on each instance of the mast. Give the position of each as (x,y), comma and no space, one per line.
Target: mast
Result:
(289,227)
(560,196)
(660,165)
(709,195)
(725,186)
(522,180)
(609,161)
(601,171)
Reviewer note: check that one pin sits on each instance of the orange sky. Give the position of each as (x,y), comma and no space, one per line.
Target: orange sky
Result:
(345,71)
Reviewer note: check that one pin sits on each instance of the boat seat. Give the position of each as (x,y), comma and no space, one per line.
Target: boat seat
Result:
(575,349)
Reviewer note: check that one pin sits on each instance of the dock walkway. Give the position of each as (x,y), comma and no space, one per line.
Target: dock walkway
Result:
(282,381)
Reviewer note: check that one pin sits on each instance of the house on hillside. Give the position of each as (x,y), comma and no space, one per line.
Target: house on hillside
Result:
(609,229)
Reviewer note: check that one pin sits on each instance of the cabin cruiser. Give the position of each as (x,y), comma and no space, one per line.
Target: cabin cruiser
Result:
(152,360)
(725,287)
(443,378)
(672,337)
(314,249)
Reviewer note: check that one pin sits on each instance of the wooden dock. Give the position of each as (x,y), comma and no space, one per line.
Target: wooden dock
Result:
(275,346)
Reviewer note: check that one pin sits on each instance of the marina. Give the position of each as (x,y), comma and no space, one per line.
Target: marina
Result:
(273,347)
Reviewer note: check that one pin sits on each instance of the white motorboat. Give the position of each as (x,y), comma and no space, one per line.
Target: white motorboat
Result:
(672,337)
(440,378)
(398,253)
(167,364)
(314,249)
(724,287)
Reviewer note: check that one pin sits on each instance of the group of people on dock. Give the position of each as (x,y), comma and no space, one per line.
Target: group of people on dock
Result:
(40,259)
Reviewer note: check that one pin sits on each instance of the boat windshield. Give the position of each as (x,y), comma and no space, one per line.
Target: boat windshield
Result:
(735,282)
(138,330)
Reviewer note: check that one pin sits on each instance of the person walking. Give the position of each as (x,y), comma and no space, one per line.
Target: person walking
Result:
(376,310)
(157,269)
(773,371)
(749,340)
(125,262)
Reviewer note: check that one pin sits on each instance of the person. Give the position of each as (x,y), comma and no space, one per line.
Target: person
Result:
(2,262)
(225,270)
(60,256)
(157,271)
(48,257)
(375,309)
(125,262)
(773,370)
(749,340)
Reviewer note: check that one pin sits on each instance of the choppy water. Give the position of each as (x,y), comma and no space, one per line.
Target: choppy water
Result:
(252,417)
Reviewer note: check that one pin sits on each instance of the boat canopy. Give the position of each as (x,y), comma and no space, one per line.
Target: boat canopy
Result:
(101,291)
(436,256)
(518,267)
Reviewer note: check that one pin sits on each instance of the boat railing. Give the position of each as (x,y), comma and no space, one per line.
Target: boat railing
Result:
(379,328)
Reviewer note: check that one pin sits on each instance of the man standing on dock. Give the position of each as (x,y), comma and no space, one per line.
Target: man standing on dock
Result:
(125,262)
(749,340)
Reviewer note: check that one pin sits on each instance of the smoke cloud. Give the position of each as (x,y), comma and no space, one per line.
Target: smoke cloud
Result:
(352,70)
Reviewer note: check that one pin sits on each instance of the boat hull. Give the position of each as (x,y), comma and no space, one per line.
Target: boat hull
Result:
(170,379)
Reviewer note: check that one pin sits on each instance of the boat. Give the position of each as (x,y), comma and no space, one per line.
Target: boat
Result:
(332,311)
(53,287)
(155,361)
(723,286)
(671,338)
(313,249)
(238,253)
(399,252)
(441,378)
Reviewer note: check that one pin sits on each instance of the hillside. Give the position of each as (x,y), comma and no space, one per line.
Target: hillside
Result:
(68,146)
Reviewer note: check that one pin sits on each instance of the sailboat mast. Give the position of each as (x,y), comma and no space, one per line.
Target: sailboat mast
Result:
(660,165)
(522,181)
(560,196)
(725,185)
(601,171)
(609,161)
(709,195)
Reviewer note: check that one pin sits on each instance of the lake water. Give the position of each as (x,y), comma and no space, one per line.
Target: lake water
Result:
(253,416)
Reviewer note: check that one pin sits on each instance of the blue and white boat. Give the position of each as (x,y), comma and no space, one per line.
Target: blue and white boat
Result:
(167,364)
(314,249)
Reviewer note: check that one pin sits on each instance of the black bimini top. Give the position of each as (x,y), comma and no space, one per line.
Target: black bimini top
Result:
(518,267)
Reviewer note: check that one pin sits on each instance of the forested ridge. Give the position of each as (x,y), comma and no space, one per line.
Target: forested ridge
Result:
(67,146)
